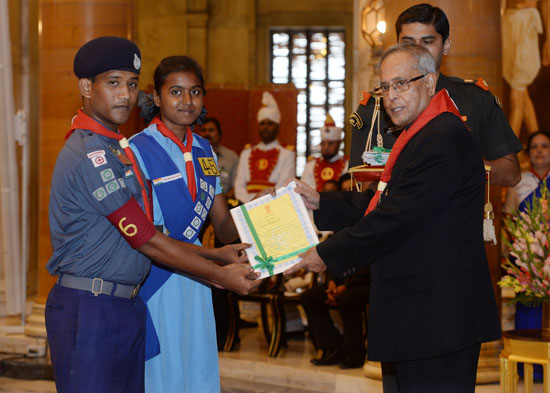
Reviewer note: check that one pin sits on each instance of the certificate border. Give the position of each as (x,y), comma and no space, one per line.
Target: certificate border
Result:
(246,235)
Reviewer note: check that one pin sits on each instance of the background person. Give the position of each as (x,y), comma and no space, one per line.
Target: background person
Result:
(228,160)
(520,197)
(331,165)
(266,164)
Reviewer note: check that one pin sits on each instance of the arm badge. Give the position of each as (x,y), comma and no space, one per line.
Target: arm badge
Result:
(355,120)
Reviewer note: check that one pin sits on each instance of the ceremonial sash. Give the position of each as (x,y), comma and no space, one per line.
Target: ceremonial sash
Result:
(183,217)
(261,164)
(537,193)
(439,104)
(324,171)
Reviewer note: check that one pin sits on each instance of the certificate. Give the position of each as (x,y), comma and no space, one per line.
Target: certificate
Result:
(279,228)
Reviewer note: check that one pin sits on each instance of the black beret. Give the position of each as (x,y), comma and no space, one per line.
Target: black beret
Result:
(105,54)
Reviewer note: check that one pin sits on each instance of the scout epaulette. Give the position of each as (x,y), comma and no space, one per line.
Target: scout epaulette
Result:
(247,146)
(290,147)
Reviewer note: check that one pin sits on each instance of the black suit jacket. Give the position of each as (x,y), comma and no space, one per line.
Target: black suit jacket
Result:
(431,292)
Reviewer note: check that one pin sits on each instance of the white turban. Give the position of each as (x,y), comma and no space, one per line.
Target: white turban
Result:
(269,109)
(330,132)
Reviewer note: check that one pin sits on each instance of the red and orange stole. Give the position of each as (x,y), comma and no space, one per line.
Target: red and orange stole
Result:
(324,171)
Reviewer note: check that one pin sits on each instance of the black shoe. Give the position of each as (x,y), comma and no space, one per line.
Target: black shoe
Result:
(243,324)
(351,362)
(330,357)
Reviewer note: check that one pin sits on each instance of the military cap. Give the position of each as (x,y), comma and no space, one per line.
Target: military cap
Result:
(105,54)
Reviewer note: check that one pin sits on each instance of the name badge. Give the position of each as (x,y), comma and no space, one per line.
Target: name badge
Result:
(208,166)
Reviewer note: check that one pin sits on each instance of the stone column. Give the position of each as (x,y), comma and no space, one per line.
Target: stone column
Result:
(475,53)
(63,27)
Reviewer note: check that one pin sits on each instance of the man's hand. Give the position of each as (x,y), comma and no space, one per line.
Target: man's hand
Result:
(331,293)
(310,196)
(239,278)
(231,253)
(311,262)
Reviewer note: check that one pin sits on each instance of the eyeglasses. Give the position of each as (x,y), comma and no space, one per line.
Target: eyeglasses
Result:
(399,86)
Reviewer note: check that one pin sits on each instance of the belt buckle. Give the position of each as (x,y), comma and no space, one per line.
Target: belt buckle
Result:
(135,291)
(100,280)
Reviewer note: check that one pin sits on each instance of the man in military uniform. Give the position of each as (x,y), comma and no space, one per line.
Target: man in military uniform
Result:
(331,165)
(227,159)
(267,164)
(102,240)
(428,26)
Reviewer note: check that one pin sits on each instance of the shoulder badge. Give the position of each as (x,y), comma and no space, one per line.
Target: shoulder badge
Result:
(479,83)
(247,146)
(498,102)
(208,165)
(356,121)
(290,147)
(364,98)
(310,158)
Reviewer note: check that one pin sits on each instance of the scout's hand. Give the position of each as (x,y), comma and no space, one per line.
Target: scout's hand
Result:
(240,278)
(311,261)
(308,194)
(232,253)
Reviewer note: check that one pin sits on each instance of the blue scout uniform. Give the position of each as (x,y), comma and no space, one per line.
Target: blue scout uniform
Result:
(481,109)
(95,340)
(182,356)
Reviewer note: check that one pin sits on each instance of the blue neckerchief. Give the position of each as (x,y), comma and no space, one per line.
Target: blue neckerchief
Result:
(182,224)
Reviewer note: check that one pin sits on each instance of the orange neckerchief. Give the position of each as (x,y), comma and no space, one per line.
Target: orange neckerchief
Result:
(439,104)
(85,122)
(185,149)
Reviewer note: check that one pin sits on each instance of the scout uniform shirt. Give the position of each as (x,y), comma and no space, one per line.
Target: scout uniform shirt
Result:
(92,179)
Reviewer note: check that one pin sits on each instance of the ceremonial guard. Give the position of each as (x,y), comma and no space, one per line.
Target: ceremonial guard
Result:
(482,112)
(331,165)
(267,164)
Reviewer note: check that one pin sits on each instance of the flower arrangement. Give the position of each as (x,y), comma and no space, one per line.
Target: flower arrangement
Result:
(528,266)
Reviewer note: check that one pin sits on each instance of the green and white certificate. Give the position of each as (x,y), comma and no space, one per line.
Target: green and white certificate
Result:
(279,229)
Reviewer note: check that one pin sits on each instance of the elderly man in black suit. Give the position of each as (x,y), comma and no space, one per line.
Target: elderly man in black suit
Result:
(431,300)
